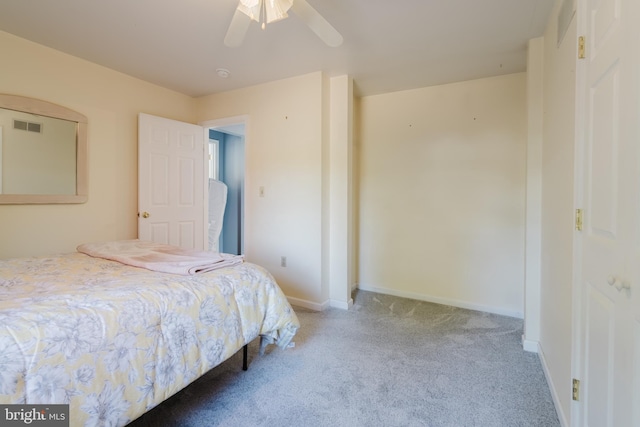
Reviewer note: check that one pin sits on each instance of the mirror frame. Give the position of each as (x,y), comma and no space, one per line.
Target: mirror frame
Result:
(44,108)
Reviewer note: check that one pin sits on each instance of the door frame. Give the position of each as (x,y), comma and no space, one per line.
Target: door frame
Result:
(577,346)
(215,123)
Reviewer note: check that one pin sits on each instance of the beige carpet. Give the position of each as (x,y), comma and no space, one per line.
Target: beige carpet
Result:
(388,361)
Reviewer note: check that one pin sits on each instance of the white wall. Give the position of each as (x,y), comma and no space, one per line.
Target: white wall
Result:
(284,153)
(557,210)
(297,148)
(341,220)
(442,193)
(535,81)
(111,101)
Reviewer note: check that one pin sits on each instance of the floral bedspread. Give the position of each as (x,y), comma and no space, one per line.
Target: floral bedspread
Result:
(113,341)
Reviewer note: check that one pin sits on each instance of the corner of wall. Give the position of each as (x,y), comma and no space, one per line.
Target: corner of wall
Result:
(533,226)
(340,185)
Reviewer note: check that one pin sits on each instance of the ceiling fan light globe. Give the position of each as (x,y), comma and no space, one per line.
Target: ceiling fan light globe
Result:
(267,11)
(274,10)
(251,9)
(277,9)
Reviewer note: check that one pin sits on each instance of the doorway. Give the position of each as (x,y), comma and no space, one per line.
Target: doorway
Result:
(227,165)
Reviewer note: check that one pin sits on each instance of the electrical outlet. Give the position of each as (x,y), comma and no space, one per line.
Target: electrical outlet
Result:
(283,261)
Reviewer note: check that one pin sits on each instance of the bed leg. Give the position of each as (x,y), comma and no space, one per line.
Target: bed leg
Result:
(244,357)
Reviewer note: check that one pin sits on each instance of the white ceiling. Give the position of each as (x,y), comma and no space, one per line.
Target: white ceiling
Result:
(388,45)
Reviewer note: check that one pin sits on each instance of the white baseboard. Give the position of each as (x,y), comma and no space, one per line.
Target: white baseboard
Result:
(309,304)
(444,301)
(530,346)
(554,391)
(341,304)
(321,306)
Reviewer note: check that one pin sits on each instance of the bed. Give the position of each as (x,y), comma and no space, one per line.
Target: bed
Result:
(113,340)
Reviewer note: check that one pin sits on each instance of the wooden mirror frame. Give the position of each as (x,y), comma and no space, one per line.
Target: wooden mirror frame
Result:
(44,108)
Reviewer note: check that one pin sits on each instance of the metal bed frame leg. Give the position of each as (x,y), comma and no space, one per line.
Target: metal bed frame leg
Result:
(244,357)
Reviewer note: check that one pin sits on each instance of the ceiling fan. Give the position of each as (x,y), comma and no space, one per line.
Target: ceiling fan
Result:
(269,11)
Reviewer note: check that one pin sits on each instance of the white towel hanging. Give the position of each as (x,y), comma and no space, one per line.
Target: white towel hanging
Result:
(217,205)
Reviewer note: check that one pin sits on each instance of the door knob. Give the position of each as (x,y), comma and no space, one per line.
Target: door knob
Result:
(146,214)
(619,284)
(622,284)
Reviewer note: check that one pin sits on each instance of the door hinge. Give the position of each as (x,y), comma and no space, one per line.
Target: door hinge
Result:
(581,54)
(575,390)
(579,219)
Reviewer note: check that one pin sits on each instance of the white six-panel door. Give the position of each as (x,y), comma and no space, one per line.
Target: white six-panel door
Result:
(171,191)
(609,339)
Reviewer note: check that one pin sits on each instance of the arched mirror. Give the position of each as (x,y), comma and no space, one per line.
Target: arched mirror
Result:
(43,152)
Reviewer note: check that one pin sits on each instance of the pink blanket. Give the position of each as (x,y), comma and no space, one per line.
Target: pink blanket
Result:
(159,257)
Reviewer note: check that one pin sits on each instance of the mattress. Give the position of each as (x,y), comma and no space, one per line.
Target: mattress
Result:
(113,341)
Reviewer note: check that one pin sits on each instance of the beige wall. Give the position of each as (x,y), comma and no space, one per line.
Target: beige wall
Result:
(442,193)
(284,154)
(111,101)
(557,209)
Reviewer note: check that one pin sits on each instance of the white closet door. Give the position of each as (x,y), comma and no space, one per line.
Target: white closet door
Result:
(609,342)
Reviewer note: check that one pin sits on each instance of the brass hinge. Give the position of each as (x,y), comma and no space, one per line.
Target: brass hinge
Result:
(581,54)
(579,219)
(575,390)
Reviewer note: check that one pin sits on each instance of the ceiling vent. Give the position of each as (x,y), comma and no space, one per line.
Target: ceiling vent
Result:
(28,126)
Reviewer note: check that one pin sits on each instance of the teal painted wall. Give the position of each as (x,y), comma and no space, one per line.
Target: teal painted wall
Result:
(232,170)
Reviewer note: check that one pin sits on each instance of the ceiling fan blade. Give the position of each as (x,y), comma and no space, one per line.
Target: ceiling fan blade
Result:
(317,23)
(237,29)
